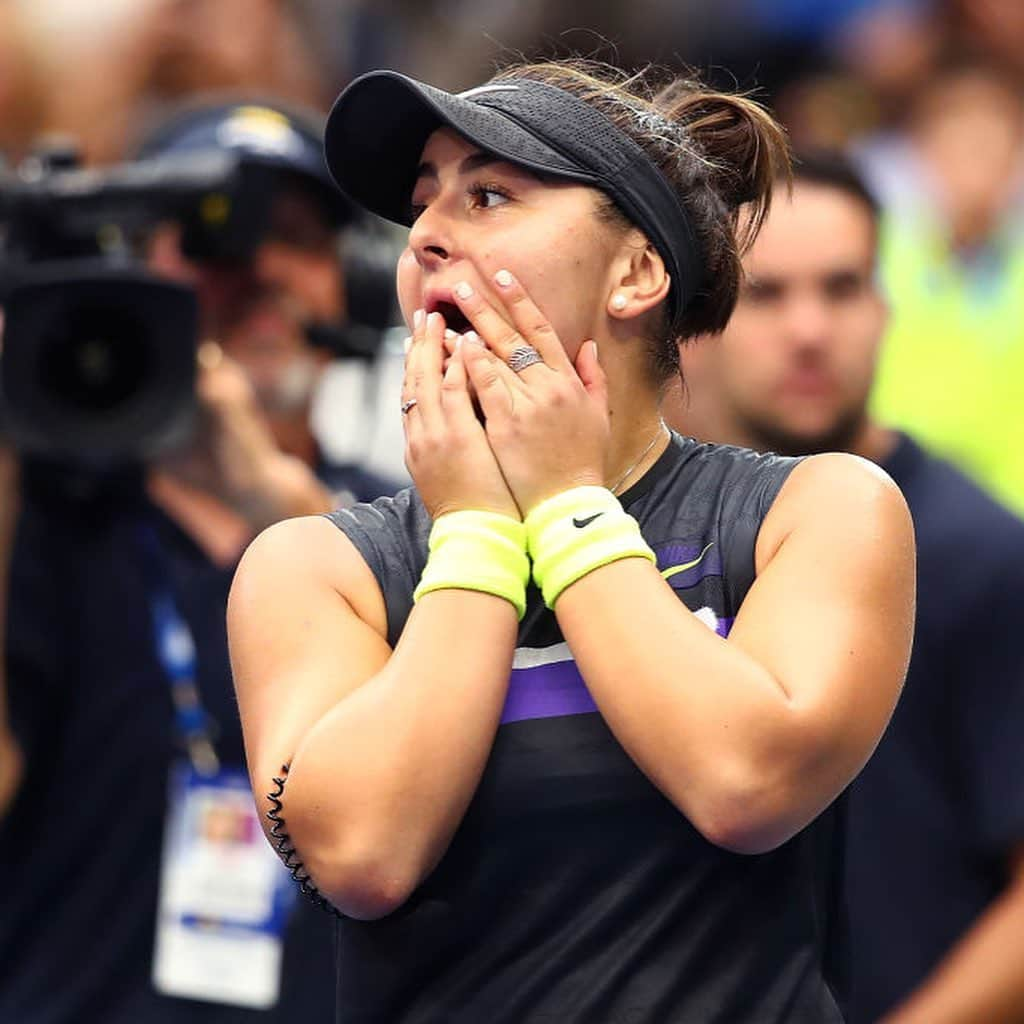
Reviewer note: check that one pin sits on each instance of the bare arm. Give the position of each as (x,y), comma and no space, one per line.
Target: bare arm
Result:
(386,749)
(751,738)
(754,736)
(981,979)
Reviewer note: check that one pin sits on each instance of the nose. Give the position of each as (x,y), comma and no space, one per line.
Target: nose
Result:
(270,263)
(430,237)
(808,321)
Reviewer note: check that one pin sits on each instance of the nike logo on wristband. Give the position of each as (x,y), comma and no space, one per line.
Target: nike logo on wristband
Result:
(580,523)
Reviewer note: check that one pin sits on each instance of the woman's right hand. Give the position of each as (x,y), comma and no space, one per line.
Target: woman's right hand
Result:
(446,449)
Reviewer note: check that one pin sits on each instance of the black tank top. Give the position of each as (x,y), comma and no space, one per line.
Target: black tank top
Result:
(574,892)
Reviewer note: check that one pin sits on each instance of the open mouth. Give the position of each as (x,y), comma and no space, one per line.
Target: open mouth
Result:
(454,319)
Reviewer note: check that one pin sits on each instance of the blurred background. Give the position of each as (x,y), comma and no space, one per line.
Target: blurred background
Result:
(925,93)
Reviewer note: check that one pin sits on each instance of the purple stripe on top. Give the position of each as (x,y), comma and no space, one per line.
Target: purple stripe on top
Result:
(546,691)
(554,687)
(703,559)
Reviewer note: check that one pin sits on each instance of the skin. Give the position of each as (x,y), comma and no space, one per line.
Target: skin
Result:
(769,726)
(793,372)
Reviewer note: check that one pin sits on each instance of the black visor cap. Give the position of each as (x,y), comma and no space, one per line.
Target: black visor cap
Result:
(379,125)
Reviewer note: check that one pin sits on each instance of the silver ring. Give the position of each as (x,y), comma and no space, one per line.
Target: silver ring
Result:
(407,405)
(524,356)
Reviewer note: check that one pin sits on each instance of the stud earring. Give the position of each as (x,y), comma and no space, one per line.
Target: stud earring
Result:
(619,302)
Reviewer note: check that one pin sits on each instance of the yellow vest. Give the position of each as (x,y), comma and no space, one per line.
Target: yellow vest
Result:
(951,371)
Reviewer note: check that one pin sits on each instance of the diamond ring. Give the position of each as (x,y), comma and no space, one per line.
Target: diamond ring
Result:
(524,356)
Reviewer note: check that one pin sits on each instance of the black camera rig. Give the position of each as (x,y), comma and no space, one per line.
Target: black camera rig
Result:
(98,360)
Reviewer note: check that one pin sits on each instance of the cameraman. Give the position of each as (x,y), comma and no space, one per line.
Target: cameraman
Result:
(117,669)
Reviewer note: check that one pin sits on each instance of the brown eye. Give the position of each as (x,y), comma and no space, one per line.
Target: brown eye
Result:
(487,196)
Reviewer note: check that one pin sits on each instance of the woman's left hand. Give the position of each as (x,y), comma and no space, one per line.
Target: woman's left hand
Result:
(548,424)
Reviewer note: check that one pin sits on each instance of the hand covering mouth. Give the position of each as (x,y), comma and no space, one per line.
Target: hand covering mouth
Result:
(454,318)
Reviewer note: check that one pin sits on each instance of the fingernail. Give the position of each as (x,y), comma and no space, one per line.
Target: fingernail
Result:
(417,318)
(472,337)
(407,343)
(449,333)
(463,290)
(594,343)
(503,278)
(458,342)
(433,319)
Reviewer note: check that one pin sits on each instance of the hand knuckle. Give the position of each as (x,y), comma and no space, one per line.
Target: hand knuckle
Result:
(433,441)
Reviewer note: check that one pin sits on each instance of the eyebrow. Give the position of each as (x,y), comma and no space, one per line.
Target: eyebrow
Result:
(471,163)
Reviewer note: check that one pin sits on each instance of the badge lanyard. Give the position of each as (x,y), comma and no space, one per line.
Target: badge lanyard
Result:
(176,651)
(224,898)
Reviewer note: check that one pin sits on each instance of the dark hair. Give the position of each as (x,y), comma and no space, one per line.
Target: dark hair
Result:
(719,152)
(831,168)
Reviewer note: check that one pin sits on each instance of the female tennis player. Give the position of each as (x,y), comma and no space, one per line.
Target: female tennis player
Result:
(556,732)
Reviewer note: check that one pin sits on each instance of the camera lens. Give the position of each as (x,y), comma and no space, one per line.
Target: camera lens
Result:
(99,363)
(96,360)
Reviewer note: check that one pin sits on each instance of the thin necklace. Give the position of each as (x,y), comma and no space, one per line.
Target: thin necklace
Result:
(654,440)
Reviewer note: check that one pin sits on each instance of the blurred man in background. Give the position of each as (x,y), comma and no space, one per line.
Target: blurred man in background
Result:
(119,736)
(934,853)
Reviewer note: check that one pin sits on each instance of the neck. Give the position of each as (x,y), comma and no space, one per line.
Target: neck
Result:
(638,432)
(639,436)
(873,441)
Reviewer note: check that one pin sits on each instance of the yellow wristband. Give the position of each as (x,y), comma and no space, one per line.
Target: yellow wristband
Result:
(483,551)
(578,531)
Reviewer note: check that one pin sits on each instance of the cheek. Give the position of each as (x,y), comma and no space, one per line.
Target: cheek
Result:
(750,355)
(409,284)
(561,276)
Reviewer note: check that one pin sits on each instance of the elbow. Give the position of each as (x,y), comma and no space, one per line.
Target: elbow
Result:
(744,834)
(751,802)
(749,815)
(359,885)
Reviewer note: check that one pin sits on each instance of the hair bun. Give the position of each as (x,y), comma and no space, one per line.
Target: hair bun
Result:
(745,149)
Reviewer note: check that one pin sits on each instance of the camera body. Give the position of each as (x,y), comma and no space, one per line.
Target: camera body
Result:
(98,366)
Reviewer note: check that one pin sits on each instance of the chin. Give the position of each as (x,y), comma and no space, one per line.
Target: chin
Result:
(784,439)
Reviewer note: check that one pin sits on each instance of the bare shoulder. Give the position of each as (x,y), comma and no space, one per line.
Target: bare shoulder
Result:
(842,496)
(308,553)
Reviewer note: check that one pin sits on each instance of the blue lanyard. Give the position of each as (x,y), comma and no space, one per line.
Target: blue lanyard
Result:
(176,651)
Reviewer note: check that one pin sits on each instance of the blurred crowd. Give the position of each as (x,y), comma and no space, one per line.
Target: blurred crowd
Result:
(924,97)
(925,93)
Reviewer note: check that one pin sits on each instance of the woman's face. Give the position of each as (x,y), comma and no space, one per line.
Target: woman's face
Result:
(476,215)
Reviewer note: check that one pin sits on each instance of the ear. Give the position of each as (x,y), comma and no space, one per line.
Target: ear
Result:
(639,280)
